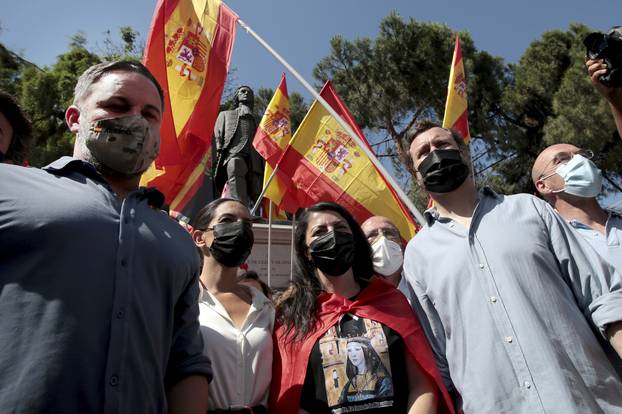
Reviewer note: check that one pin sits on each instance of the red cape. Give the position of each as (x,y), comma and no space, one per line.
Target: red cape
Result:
(381,302)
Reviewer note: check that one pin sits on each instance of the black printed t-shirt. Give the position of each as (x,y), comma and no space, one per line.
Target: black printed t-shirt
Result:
(357,366)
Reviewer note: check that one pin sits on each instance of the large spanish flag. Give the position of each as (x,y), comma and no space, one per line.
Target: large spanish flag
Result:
(322,163)
(188,51)
(456,109)
(271,139)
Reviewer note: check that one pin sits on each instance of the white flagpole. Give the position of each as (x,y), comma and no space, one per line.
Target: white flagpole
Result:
(269,242)
(263,190)
(344,125)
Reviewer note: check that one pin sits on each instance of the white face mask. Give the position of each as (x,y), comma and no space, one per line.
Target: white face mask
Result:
(387,256)
(581,177)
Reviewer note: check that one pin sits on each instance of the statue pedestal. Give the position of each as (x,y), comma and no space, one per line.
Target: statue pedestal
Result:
(280,254)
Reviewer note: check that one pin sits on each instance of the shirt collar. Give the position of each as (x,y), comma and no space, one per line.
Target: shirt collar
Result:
(258,299)
(66,164)
(431,215)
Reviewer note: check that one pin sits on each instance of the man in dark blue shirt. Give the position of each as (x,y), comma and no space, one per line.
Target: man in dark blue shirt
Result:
(98,287)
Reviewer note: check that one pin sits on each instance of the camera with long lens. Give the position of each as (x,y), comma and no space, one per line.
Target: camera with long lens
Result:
(608,47)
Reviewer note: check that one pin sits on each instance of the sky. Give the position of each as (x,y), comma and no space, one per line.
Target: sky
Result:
(299,30)
(40,30)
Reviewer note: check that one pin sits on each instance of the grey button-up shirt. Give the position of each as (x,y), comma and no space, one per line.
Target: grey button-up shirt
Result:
(98,297)
(510,302)
(609,245)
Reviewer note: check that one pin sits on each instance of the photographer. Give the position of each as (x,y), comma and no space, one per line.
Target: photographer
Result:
(600,50)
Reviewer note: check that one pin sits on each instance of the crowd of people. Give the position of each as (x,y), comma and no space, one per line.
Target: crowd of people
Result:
(499,304)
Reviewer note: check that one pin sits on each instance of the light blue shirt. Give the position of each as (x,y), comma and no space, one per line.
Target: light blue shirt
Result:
(608,245)
(510,301)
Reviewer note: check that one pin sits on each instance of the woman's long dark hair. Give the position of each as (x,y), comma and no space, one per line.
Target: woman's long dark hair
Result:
(297,306)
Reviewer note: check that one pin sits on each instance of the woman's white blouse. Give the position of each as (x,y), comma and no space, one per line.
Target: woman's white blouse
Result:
(241,358)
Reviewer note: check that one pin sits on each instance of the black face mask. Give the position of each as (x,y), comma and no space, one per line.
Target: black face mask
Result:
(333,252)
(232,243)
(443,171)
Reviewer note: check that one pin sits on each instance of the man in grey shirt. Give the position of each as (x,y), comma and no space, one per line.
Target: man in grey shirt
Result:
(98,287)
(510,293)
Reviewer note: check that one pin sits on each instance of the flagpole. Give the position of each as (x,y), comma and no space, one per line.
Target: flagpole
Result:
(269,242)
(264,189)
(344,125)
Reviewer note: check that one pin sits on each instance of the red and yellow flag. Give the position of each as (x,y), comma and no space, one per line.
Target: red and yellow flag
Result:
(188,51)
(271,139)
(456,109)
(322,163)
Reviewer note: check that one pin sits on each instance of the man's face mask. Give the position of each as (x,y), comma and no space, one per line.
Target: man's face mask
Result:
(443,171)
(232,243)
(333,252)
(126,145)
(581,177)
(387,256)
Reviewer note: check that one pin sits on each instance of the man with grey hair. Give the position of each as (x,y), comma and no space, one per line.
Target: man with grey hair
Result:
(512,294)
(99,288)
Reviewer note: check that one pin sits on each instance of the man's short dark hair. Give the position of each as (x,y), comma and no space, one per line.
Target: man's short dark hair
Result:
(425,125)
(95,72)
(22,139)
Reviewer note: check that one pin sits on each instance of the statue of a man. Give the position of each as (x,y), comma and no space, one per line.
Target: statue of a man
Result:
(237,162)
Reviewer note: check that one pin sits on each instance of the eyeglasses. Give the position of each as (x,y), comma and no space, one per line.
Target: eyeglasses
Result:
(388,232)
(563,158)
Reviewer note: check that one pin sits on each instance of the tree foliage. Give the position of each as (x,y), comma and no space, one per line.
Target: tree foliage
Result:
(393,81)
(46,93)
(551,100)
(399,78)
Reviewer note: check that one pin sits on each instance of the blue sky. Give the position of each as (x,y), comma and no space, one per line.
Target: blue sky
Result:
(299,30)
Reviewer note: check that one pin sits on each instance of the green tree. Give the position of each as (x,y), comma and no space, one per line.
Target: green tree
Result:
(45,94)
(400,77)
(550,100)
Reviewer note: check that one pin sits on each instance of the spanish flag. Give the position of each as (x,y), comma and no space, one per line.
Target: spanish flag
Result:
(188,51)
(271,139)
(456,109)
(322,163)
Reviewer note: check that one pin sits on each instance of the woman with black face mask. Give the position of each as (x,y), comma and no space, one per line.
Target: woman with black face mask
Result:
(236,320)
(334,305)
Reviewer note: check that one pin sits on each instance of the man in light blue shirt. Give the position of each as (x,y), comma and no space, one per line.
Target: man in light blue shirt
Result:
(511,293)
(567,179)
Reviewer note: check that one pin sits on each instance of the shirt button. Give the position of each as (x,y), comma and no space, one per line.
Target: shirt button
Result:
(527,384)
(493,299)
(114,381)
(120,314)
(123,262)
(451,225)
(481,265)
(509,339)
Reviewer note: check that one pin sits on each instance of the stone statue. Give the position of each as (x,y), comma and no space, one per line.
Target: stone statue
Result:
(237,162)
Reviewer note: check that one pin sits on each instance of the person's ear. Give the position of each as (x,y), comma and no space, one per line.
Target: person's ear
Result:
(197,238)
(72,118)
(542,188)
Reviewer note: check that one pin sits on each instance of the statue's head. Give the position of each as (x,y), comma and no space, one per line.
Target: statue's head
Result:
(245,95)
